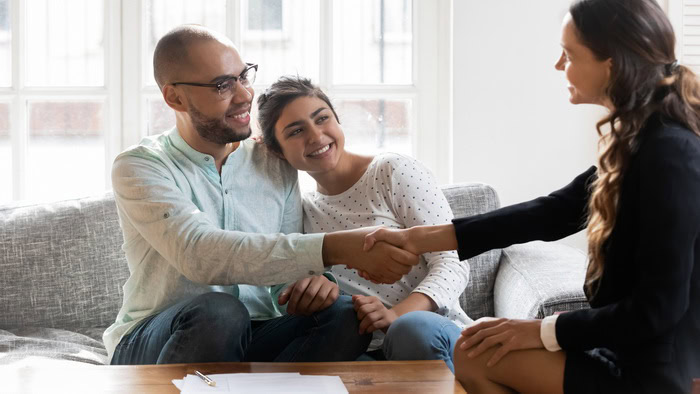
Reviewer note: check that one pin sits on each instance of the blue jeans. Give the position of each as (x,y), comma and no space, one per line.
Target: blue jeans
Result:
(421,335)
(216,327)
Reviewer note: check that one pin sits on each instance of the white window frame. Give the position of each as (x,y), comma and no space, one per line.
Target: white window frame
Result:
(432,75)
(265,35)
(18,95)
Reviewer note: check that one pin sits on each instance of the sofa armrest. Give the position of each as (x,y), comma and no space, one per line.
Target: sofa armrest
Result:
(536,279)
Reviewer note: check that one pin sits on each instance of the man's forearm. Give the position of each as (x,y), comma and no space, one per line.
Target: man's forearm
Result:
(332,249)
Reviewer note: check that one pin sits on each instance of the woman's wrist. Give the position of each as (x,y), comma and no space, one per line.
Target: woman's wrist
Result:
(433,238)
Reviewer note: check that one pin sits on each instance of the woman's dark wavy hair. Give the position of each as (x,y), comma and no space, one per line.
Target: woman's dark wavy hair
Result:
(645,78)
(277,97)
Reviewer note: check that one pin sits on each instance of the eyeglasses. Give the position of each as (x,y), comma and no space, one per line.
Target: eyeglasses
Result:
(227,87)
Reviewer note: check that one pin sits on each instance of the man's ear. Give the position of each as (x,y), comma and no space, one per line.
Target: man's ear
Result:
(174,98)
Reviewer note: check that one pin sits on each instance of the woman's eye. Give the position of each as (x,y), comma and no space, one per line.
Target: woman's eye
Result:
(294,132)
(321,119)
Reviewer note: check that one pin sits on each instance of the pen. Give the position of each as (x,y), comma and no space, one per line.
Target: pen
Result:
(205,378)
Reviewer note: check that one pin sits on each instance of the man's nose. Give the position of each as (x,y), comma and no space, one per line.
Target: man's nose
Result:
(242,94)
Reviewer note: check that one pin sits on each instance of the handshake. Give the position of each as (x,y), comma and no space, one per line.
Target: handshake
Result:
(384,255)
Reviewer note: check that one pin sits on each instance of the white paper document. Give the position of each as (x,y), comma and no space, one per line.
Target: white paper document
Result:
(262,383)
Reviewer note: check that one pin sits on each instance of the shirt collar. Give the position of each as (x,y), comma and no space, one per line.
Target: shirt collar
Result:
(201,159)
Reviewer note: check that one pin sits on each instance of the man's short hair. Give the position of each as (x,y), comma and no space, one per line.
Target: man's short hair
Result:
(170,54)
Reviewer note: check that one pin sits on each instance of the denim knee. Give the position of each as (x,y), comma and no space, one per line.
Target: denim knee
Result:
(218,315)
(341,313)
(421,335)
(340,321)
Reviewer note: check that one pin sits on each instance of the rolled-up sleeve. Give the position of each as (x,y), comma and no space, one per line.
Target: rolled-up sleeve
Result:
(151,203)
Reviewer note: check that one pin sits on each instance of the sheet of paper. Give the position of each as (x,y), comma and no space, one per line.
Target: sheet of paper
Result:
(262,383)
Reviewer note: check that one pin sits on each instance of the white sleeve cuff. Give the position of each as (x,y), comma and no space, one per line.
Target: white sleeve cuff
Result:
(548,333)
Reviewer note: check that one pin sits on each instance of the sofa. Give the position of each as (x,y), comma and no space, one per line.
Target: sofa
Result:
(62,271)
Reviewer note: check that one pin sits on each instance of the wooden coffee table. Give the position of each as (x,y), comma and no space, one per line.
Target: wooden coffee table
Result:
(358,377)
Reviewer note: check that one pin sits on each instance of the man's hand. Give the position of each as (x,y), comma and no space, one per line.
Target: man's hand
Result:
(372,314)
(384,263)
(309,295)
(397,237)
(508,334)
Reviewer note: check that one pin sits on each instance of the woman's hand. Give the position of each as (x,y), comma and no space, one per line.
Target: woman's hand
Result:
(397,237)
(309,295)
(372,314)
(384,263)
(508,334)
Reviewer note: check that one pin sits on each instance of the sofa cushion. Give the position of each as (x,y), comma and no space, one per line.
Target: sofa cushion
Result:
(61,264)
(538,278)
(35,346)
(469,199)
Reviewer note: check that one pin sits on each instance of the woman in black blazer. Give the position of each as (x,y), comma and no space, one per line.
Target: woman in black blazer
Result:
(641,208)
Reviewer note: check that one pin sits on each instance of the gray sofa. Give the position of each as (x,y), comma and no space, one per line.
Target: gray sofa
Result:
(62,271)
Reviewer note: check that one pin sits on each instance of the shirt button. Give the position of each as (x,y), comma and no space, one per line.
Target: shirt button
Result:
(206,159)
(226,191)
(312,273)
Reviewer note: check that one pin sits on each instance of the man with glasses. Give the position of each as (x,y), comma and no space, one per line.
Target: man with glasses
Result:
(212,224)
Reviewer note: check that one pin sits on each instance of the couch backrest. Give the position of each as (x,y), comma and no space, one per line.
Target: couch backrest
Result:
(61,264)
(469,199)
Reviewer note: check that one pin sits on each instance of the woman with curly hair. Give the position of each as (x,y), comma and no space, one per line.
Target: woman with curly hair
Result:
(641,208)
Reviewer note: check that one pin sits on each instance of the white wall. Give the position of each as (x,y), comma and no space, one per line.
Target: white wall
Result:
(514,127)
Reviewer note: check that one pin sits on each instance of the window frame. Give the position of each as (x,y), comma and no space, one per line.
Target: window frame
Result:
(125,94)
(19,96)
(431,92)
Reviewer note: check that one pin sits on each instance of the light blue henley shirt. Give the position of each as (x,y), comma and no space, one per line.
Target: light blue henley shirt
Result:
(188,230)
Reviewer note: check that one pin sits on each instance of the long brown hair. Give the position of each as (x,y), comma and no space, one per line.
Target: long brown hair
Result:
(645,78)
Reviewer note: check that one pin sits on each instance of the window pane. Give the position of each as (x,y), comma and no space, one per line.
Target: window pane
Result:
(280,36)
(264,15)
(373,126)
(163,15)
(5,44)
(66,154)
(5,154)
(377,32)
(160,117)
(65,43)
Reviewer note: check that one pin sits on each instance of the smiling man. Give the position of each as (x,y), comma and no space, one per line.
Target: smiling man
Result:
(212,224)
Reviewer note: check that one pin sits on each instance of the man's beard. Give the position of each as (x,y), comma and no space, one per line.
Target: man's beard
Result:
(216,130)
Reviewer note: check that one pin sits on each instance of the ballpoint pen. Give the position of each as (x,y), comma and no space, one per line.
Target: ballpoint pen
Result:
(205,378)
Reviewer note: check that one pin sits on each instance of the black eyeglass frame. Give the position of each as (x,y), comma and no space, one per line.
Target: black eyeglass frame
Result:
(218,84)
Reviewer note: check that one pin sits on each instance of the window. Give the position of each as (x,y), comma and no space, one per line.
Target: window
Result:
(685,16)
(55,125)
(77,87)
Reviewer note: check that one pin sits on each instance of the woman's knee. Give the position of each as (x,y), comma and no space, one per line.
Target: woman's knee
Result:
(420,335)
(466,368)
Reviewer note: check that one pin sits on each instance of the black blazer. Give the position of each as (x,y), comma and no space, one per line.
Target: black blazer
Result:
(647,306)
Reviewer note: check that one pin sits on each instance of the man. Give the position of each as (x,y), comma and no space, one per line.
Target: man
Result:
(204,214)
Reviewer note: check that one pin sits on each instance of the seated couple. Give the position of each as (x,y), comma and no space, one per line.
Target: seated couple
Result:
(213,223)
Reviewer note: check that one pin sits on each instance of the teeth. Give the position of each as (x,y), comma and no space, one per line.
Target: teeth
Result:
(240,116)
(320,151)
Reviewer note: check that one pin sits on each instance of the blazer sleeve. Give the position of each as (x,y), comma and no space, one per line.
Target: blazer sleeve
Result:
(560,214)
(669,218)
